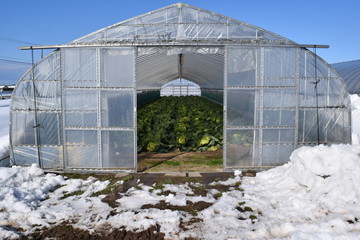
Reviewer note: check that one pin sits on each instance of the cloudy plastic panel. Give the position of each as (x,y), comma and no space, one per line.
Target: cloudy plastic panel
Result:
(24,155)
(81,149)
(23,96)
(118,149)
(117,109)
(79,67)
(241,66)
(96,100)
(51,157)
(264,91)
(241,107)
(22,131)
(241,148)
(117,62)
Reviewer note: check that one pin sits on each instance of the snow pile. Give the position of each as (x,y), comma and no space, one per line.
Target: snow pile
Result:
(355,118)
(314,196)
(21,190)
(4,128)
(28,199)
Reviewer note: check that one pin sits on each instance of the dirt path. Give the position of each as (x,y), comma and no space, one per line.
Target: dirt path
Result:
(181,162)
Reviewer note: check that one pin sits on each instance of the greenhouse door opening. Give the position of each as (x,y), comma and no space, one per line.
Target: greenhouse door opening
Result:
(180,109)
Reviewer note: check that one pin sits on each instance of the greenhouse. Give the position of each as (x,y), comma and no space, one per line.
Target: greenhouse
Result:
(76,109)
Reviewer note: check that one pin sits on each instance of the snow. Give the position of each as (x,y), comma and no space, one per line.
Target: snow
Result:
(316,195)
(4,128)
(355,117)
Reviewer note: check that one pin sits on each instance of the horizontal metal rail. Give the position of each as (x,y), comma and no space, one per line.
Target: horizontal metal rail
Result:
(252,42)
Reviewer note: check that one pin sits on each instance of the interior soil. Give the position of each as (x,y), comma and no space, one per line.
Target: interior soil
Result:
(209,161)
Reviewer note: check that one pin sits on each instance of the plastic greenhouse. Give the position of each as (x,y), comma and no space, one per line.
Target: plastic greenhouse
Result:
(76,108)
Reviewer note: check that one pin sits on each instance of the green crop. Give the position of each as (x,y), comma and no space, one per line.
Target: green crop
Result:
(186,123)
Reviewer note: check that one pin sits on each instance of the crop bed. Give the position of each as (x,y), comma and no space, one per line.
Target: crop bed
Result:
(186,123)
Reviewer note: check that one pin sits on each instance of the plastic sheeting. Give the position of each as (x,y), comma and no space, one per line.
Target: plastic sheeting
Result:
(272,106)
(350,72)
(84,114)
(182,22)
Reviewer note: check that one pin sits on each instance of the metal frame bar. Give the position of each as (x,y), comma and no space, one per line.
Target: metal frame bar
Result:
(171,43)
(135,58)
(225,125)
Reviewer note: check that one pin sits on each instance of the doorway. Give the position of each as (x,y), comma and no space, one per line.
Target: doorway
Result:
(155,67)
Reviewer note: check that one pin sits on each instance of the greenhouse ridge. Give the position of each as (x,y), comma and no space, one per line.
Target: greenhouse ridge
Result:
(76,109)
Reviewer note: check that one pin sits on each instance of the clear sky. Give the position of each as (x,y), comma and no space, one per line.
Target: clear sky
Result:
(332,22)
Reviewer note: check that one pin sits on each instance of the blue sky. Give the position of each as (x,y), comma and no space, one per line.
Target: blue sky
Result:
(335,23)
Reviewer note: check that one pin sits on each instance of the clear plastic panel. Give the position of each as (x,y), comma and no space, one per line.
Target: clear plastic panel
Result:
(81,119)
(308,93)
(278,135)
(274,155)
(117,109)
(337,95)
(23,96)
(307,66)
(79,67)
(117,67)
(338,129)
(81,148)
(51,157)
(280,63)
(241,107)
(241,31)
(81,100)
(241,66)
(242,148)
(22,128)
(48,68)
(276,98)
(48,95)
(118,149)
(49,128)
(25,156)
(334,125)
(279,118)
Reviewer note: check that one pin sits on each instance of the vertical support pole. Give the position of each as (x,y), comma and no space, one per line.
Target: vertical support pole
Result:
(99,107)
(62,115)
(37,125)
(135,56)
(226,53)
(317,81)
(297,106)
(260,91)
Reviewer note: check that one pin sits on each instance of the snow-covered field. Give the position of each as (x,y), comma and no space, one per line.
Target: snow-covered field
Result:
(316,195)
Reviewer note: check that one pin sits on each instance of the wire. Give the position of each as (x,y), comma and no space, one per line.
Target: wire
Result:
(16,40)
(13,61)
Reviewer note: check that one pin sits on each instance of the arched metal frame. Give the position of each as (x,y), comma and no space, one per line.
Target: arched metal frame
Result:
(86,92)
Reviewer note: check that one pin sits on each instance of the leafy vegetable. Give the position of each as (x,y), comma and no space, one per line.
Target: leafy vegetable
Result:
(187,123)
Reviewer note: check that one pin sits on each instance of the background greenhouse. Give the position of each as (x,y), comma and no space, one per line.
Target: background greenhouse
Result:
(76,109)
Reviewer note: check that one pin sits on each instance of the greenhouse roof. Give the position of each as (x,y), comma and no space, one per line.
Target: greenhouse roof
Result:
(179,23)
(350,72)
